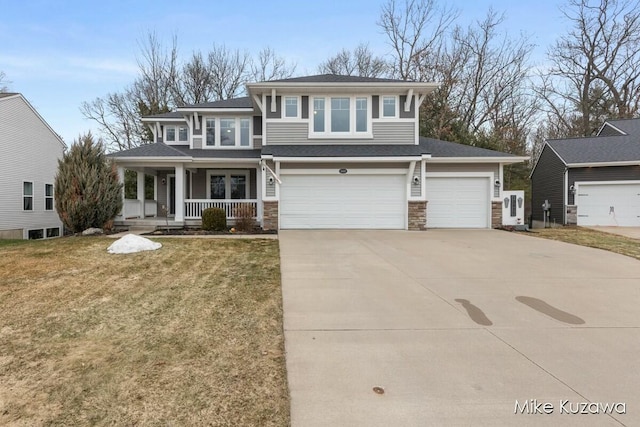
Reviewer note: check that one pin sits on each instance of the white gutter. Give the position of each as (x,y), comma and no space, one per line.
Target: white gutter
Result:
(504,160)
(603,164)
(346,159)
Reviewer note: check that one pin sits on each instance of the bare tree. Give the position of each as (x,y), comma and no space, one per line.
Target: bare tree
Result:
(415,29)
(4,83)
(359,62)
(270,66)
(595,69)
(229,71)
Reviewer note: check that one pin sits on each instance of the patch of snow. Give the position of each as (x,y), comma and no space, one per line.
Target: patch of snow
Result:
(130,243)
(92,232)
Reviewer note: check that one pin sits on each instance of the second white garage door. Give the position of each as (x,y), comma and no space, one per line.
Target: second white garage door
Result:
(343,201)
(457,202)
(614,204)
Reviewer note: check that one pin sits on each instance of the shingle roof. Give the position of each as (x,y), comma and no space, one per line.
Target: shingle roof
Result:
(242,102)
(597,149)
(350,150)
(438,148)
(335,78)
(221,154)
(628,126)
(157,149)
(169,115)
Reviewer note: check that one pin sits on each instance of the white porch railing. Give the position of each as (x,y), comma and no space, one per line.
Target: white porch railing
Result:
(194,207)
(131,208)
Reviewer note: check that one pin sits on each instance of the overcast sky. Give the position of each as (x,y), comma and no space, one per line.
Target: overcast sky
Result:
(61,53)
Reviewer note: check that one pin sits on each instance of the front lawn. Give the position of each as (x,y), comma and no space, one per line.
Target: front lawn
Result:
(592,238)
(190,334)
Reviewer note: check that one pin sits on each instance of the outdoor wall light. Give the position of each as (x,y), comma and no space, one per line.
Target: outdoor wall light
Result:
(497,183)
(271,180)
(416,180)
(572,189)
(163,181)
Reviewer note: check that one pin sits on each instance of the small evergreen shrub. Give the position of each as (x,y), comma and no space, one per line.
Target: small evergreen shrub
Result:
(245,217)
(214,219)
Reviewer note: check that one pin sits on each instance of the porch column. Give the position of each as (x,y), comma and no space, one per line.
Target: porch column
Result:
(140,177)
(120,215)
(180,183)
(259,194)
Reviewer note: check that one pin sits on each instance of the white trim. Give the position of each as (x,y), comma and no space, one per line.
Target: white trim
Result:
(565,195)
(503,160)
(258,102)
(52,197)
(610,125)
(277,192)
(604,164)
(423,174)
(380,159)
(227,181)
(32,195)
(162,119)
(501,178)
(264,121)
(336,171)
(218,137)
(407,102)
(283,108)
(328,133)
(383,87)
(153,159)
(196,120)
(177,140)
(630,182)
(214,110)
(396,114)
(274,104)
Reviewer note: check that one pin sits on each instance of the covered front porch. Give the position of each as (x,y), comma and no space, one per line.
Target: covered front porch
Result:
(176,195)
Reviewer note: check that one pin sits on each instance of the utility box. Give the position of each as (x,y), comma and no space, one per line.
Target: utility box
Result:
(513,207)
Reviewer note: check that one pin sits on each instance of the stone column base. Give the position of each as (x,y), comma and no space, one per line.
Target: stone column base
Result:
(270,215)
(496,214)
(417,215)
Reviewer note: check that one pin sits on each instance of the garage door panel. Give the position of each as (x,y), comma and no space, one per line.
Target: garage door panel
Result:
(457,202)
(343,201)
(608,204)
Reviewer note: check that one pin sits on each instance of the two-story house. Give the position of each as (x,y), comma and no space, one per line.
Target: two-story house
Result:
(323,151)
(28,165)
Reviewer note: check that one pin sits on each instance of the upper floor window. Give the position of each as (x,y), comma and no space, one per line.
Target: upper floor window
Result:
(341,116)
(291,107)
(176,134)
(228,132)
(389,106)
(27,196)
(48,197)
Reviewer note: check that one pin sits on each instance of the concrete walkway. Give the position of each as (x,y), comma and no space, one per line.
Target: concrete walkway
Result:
(454,327)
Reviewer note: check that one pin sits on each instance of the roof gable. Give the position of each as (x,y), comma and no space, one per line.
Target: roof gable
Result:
(7,96)
(597,149)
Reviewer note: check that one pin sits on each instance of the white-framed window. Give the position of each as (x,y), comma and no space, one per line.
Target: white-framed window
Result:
(227,184)
(389,107)
(176,133)
(340,116)
(228,132)
(53,232)
(291,107)
(48,197)
(27,196)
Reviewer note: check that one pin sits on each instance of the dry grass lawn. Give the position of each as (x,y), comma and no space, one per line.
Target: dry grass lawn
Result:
(591,238)
(190,334)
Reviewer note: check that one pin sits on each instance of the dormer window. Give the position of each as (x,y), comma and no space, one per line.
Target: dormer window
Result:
(176,134)
(341,117)
(291,110)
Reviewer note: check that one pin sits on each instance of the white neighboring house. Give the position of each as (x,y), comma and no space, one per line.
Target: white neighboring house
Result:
(28,164)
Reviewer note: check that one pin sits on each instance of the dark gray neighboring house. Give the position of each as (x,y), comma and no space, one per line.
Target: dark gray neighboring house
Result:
(590,181)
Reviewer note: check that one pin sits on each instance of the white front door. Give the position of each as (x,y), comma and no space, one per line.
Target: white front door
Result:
(458,202)
(608,204)
(343,201)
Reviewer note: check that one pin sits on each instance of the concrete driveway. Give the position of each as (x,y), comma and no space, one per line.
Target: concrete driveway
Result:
(455,326)
(632,232)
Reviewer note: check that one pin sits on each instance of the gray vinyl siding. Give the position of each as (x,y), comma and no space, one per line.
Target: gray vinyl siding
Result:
(270,188)
(278,113)
(285,133)
(416,189)
(468,167)
(375,106)
(257,125)
(547,183)
(608,173)
(197,143)
(305,107)
(257,143)
(162,192)
(412,110)
(30,152)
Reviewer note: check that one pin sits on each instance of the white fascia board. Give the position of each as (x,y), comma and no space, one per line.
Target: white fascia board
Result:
(215,110)
(123,160)
(225,160)
(503,160)
(604,164)
(610,125)
(163,119)
(356,88)
(379,159)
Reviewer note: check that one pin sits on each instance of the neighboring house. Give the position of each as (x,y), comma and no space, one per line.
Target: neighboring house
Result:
(323,151)
(590,181)
(28,164)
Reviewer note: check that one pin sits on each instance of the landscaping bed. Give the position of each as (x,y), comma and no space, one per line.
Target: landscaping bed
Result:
(200,232)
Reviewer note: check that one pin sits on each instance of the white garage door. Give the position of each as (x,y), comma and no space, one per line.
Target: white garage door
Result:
(609,204)
(343,201)
(457,202)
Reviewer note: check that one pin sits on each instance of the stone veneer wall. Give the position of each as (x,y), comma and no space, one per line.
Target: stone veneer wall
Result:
(270,216)
(417,215)
(572,214)
(496,214)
